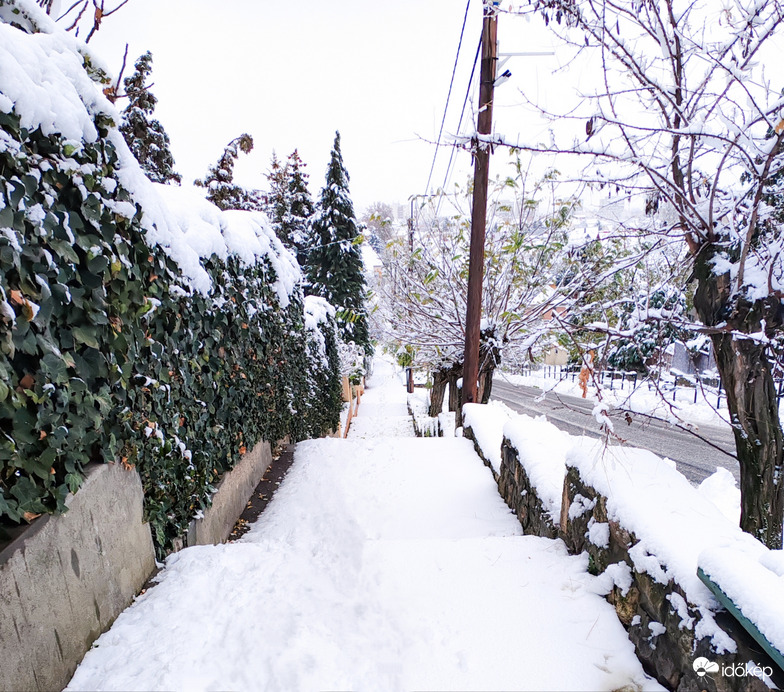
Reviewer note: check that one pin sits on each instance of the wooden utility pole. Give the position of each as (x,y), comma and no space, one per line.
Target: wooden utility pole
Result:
(476,260)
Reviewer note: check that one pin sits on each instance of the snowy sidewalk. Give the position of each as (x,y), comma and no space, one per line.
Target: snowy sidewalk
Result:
(383,563)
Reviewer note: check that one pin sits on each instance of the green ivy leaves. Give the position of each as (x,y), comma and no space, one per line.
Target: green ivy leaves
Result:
(101,361)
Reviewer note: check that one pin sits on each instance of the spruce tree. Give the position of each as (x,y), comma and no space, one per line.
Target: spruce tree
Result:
(277,202)
(290,206)
(334,265)
(298,225)
(145,135)
(222,191)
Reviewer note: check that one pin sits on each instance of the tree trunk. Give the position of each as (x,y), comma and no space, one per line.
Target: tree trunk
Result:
(486,383)
(454,392)
(440,380)
(747,376)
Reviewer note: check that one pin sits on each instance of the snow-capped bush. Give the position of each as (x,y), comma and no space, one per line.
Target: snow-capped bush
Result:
(138,323)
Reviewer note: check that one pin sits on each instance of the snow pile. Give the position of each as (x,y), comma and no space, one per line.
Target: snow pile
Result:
(753,577)
(542,449)
(487,426)
(722,490)
(46,79)
(673,521)
(190,229)
(43,78)
(317,312)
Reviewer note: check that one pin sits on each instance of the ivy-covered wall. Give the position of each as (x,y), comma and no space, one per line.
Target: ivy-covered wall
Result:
(108,354)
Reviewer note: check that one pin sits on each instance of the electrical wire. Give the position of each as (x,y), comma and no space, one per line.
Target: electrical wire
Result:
(448,96)
(459,124)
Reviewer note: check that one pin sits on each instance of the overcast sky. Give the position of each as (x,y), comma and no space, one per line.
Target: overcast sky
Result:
(291,73)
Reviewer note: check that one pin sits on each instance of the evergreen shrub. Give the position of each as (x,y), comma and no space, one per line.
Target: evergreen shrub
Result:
(108,355)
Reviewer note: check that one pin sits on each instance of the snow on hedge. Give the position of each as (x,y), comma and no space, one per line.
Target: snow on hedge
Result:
(318,312)
(49,79)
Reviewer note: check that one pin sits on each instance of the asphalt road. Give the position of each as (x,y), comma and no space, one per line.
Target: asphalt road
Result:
(695,458)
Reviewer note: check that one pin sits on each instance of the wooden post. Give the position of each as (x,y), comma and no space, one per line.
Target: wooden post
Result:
(479,210)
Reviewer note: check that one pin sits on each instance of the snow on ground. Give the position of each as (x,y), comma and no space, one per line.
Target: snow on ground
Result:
(639,399)
(382,563)
(382,411)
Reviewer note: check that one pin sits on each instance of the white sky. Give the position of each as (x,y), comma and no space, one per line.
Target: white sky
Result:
(291,73)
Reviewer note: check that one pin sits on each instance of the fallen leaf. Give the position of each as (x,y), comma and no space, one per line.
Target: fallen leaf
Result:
(29,516)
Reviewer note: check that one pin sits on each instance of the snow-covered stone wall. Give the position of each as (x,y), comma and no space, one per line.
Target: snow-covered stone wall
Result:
(644,528)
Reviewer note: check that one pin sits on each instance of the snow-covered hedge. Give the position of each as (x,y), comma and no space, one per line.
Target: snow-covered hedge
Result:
(138,323)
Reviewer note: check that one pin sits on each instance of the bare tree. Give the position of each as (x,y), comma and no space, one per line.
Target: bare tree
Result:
(685,120)
(532,271)
(95,11)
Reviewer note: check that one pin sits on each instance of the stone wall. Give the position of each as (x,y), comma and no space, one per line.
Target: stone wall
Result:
(662,624)
(66,579)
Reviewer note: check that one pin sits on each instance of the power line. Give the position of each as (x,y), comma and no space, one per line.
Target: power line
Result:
(448,96)
(460,123)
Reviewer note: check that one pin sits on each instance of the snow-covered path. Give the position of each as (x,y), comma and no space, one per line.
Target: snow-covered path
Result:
(382,563)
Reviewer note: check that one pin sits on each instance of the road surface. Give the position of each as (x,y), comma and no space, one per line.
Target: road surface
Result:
(695,458)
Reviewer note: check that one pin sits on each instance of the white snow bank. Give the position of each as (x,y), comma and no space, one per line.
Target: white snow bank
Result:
(673,521)
(487,424)
(42,76)
(190,228)
(44,81)
(722,490)
(318,311)
(753,577)
(542,449)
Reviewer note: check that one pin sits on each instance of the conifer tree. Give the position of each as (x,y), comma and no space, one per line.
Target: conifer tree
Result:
(145,135)
(222,191)
(334,265)
(299,223)
(277,198)
(290,206)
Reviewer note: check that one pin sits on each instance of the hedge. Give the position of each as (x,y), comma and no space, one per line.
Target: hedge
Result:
(108,354)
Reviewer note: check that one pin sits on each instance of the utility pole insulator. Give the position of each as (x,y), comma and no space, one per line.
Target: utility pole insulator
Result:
(476,259)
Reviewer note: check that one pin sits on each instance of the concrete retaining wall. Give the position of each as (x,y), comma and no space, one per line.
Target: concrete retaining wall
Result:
(67,578)
(231,497)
